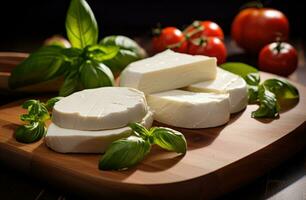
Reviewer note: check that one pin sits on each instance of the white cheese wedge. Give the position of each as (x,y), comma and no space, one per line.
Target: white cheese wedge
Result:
(101,108)
(225,82)
(168,70)
(189,109)
(76,141)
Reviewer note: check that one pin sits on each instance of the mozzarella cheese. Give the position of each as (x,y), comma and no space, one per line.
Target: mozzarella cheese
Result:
(190,110)
(101,108)
(77,141)
(168,70)
(225,82)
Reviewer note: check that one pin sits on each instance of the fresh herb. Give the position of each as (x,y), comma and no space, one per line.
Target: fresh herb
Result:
(38,114)
(86,64)
(266,94)
(127,152)
(129,51)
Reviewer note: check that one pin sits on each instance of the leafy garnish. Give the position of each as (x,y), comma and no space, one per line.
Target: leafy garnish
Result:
(127,152)
(81,25)
(86,64)
(38,114)
(267,94)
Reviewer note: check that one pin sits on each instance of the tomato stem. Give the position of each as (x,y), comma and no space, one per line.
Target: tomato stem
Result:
(157,30)
(253,4)
(197,28)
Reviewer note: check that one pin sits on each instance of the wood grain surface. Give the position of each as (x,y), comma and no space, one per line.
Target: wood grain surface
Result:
(218,159)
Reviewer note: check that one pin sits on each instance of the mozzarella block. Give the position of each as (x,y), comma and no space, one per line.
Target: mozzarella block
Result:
(225,82)
(76,141)
(101,108)
(190,110)
(168,70)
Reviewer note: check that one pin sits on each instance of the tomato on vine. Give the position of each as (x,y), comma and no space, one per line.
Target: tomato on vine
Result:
(169,38)
(208,46)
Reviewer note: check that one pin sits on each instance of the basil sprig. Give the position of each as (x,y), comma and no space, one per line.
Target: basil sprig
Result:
(38,114)
(267,94)
(84,65)
(127,152)
(129,51)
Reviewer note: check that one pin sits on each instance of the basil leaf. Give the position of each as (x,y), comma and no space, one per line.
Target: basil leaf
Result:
(238,68)
(72,53)
(252,79)
(100,53)
(268,105)
(124,153)
(36,111)
(93,75)
(252,93)
(43,65)
(281,88)
(81,25)
(170,139)
(71,84)
(129,52)
(121,60)
(51,102)
(31,132)
(139,130)
(124,43)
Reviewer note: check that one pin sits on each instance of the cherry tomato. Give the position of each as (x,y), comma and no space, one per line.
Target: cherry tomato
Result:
(253,28)
(57,40)
(169,38)
(205,29)
(208,46)
(279,58)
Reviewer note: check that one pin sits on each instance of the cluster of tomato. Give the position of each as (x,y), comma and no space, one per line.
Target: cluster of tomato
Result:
(200,38)
(259,31)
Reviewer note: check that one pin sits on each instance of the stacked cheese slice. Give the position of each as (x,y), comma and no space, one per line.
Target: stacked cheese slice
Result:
(90,120)
(187,91)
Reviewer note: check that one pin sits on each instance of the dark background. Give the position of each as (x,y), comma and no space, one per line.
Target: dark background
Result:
(25,24)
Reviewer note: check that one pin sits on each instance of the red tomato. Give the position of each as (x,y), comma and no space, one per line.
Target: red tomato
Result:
(279,58)
(170,38)
(204,28)
(208,46)
(253,28)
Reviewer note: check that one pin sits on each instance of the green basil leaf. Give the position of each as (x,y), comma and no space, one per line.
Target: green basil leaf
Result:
(31,132)
(238,68)
(72,53)
(252,79)
(51,102)
(81,25)
(129,52)
(36,111)
(28,118)
(29,103)
(101,53)
(121,60)
(71,84)
(95,75)
(124,153)
(139,130)
(252,93)
(169,139)
(281,88)
(125,43)
(268,105)
(43,65)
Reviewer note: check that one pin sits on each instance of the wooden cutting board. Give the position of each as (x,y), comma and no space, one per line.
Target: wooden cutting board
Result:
(218,159)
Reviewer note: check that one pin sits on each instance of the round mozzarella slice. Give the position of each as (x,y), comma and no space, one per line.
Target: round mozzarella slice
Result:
(100,108)
(77,141)
(189,109)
